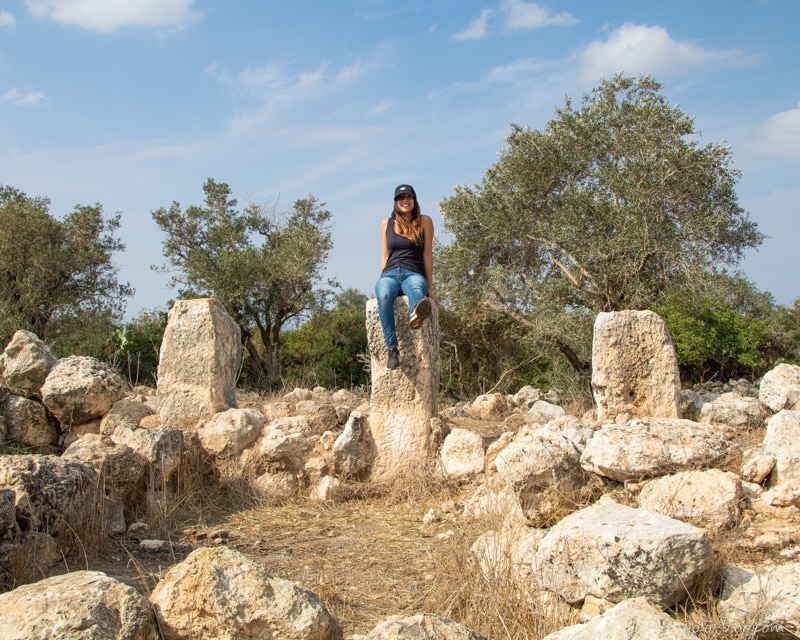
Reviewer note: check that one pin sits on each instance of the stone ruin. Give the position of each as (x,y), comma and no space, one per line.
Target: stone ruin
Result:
(613,563)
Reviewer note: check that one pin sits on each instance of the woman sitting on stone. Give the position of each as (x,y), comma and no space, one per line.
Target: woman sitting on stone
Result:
(406,267)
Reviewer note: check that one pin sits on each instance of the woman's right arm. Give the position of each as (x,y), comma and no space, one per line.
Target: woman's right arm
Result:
(385,249)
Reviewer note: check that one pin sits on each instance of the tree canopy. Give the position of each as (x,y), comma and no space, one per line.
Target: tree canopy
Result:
(53,271)
(611,205)
(264,265)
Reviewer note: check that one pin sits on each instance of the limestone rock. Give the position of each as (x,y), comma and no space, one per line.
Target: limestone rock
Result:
(79,389)
(577,432)
(27,422)
(634,367)
(219,593)
(782,440)
(230,432)
(162,448)
(548,409)
(403,400)
(277,488)
(740,412)
(652,447)
(615,552)
(632,619)
(52,494)
(423,626)
(25,363)
(526,396)
(124,412)
(462,454)
(489,406)
(757,464)
(354,448)
(329,489)
(82,605)
(780,387)
(710,497)
(198,364)
(765,601)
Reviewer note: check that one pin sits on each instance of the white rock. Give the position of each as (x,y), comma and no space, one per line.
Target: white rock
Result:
(462,454)
(780,387)
(782,440)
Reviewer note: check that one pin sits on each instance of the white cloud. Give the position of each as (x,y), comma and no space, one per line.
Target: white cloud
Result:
(7,19)
(381,107)
(529,15)
(779,135)
(23,98)
(107,15)
(641,49)
(477,29)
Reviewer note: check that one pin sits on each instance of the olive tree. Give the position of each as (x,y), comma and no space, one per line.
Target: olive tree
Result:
(57,276)
(613,203)
(264,265)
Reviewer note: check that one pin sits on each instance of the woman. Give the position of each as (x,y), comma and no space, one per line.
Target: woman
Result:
(406,267)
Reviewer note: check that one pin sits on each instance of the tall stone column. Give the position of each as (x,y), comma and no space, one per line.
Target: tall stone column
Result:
(198,364)
(634,367)
(403,400)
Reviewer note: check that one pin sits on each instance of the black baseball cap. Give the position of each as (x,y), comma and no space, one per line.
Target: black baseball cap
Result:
(405,188)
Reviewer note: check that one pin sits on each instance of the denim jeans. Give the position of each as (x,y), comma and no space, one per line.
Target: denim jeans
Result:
(391,284)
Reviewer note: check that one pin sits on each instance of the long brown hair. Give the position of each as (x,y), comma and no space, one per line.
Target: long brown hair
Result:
(411,230)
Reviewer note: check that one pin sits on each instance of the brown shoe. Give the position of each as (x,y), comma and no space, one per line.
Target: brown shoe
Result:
(420,313)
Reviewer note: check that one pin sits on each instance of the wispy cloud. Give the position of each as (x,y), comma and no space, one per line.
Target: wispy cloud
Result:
(529,15)
(108,15)
(381,107)
(640,49)
(477,29)
(779,135)
(24,98)
(7,19)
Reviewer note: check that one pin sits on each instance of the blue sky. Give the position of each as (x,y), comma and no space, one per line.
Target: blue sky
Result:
(133,104)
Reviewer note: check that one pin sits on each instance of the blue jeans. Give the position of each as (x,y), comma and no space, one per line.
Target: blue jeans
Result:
(391,284)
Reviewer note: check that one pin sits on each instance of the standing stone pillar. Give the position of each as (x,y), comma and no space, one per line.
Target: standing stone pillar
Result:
(634,367)
(198,364)
(403,400)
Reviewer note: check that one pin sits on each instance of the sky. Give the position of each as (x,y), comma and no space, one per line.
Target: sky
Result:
(134,104)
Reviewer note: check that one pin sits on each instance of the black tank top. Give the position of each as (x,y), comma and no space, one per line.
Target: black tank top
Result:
(402,251)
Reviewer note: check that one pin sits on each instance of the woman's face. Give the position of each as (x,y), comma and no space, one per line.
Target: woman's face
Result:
(405,203)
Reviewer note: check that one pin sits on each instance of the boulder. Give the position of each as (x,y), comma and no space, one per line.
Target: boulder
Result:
(731,409)
(127,412)
(766,602)
(353,449)
(219,593)
(198,363)
(780,387)
(423,626)
(712,498)
(652,447)
(162,448)
(27,422)
(79,389)
(489,406)
(81,605)
(403,400)
(230,432)
(634,367)
(25,363)
(614,552)
(782,440)
(632,619)
(462,454)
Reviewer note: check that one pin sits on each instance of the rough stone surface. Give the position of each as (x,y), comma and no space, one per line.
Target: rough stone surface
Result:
(782,440)
(403,400)
(83,605)
(634,367)
(710,497)
(127,412)
(614,552)
(219,593)
(25,363)
(648,448)
(198,364)
(780,387)
(731,409)
(423,626)
(79,389)
(354,448)
(633,619)
(489,406)
(462,454)
(27,422)
(230,432)
(163,448)
(765,602)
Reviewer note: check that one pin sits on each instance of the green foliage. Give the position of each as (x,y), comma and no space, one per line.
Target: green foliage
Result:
(264,265)
(55,272)
(136,347)
(714,338)
(608,207)
(329,350)
(784,326)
